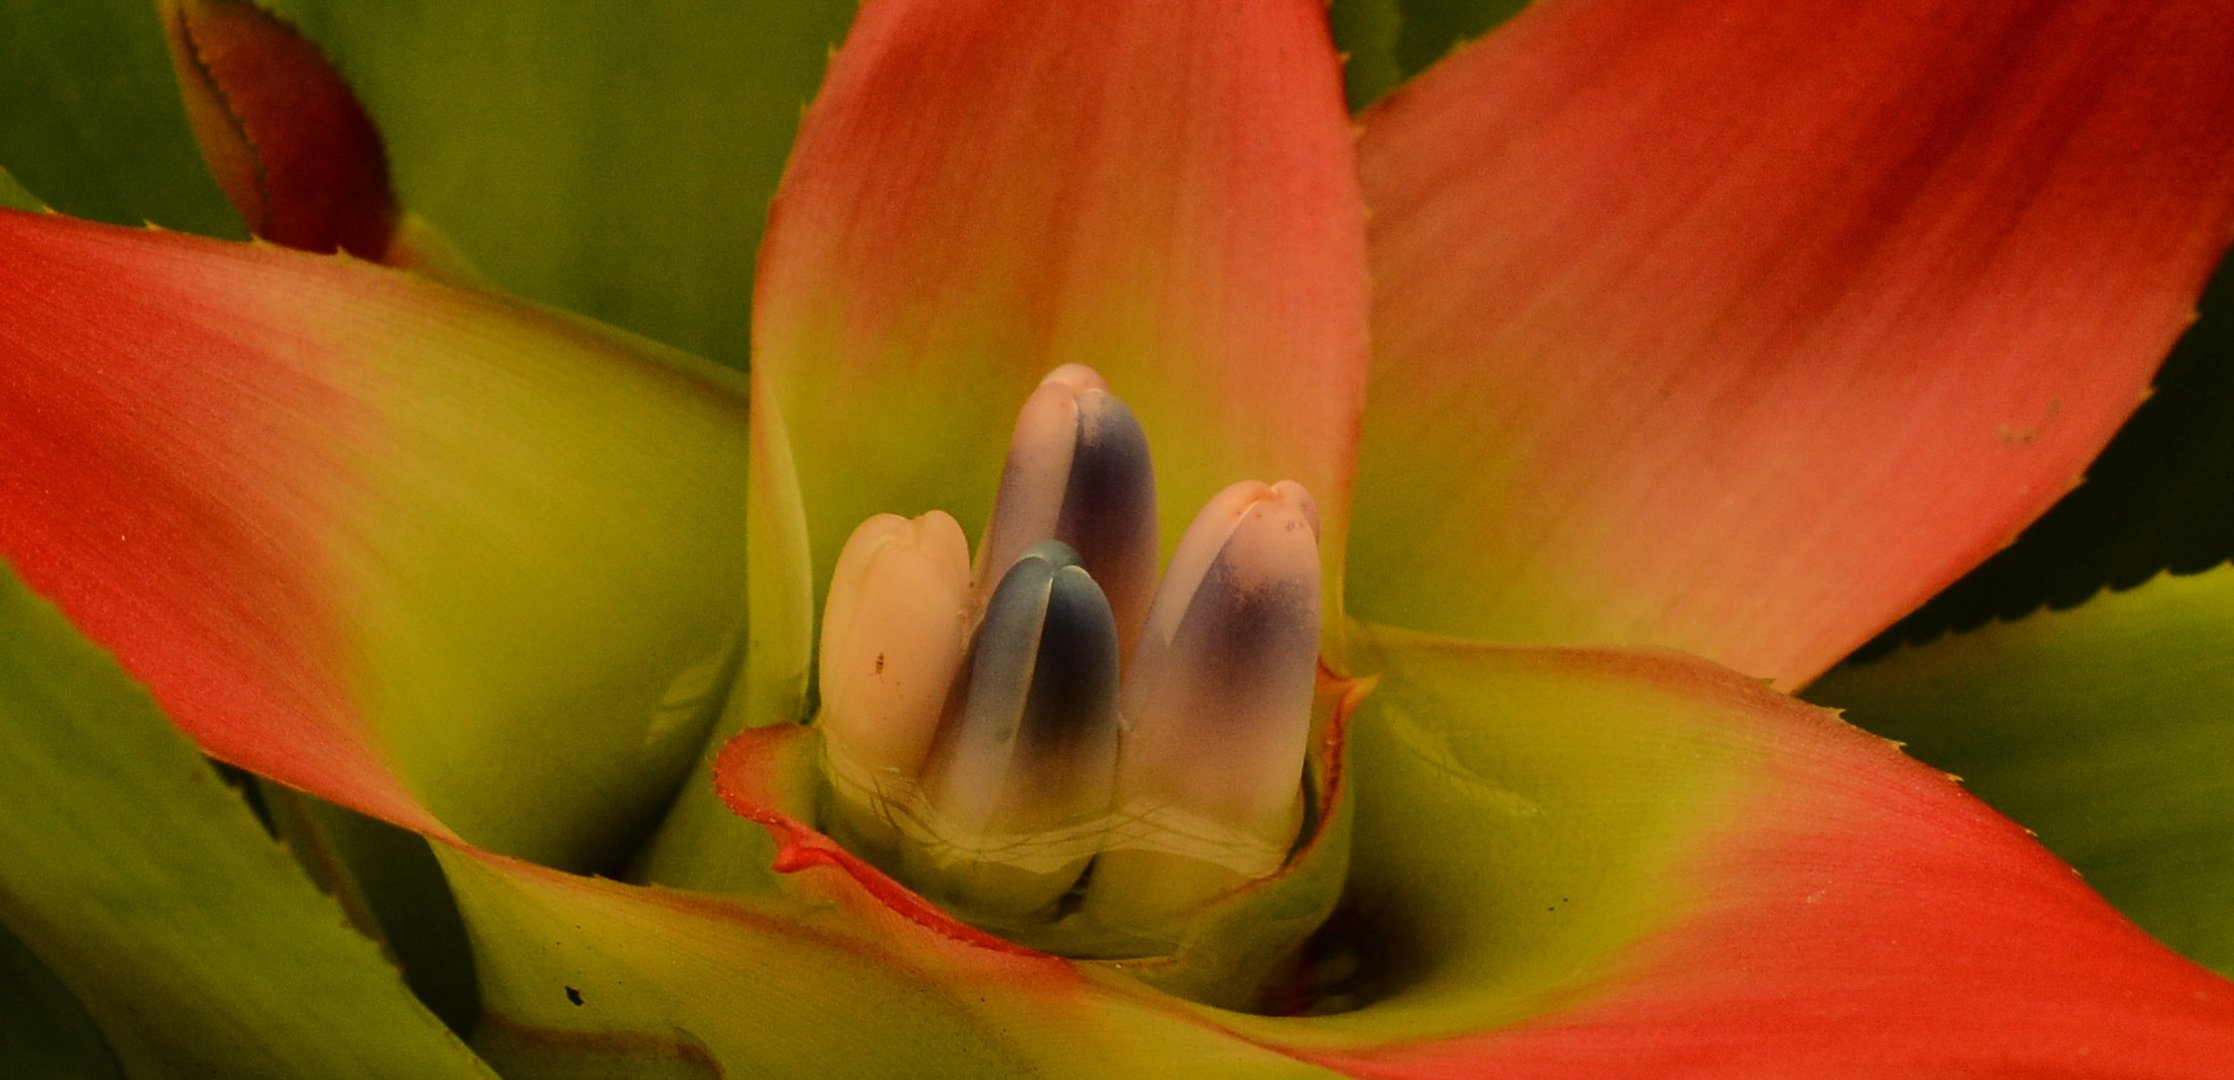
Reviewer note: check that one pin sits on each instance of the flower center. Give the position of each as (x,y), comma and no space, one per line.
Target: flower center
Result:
(1057,746)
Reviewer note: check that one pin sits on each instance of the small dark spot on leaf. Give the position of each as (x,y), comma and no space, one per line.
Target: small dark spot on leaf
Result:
(573,995)
(880,663)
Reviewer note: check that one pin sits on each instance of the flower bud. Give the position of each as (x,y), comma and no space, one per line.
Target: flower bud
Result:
(894,632)
(1018,787)
(1078,471)
(1217,709)
(1096,757)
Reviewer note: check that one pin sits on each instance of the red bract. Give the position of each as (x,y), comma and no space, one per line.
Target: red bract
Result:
(1734,328)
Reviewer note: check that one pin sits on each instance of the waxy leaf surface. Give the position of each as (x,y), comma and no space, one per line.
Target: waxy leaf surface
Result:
(2107,729)
(2155,500)
(1744,327)
(456,548)
(1642,862)
(128,867)
(1637,858)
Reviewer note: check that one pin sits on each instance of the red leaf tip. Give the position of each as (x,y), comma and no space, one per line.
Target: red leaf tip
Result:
(285,137)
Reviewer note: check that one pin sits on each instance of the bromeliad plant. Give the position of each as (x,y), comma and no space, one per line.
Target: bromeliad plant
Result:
(1731,328)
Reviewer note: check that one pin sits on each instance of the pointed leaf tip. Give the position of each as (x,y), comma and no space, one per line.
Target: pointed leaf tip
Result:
(285,137)
(1730,327)
(361,572)
(2103,728)
(15,197)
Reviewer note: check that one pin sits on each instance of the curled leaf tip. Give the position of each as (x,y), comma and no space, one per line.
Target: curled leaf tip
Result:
(285,137)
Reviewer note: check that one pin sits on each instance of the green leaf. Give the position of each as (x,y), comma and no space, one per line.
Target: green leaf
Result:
(1432,28)
(612,159)
(44,1029)
(90,117)
(1366,32)
(657,982)
(2107,729)
(2155,500)
(14,197)
(144,883)
(391,888)
(700,844)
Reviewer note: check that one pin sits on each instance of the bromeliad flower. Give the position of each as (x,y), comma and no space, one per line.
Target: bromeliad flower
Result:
(1730,328)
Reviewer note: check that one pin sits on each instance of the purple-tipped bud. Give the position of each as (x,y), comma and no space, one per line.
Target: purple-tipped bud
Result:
(1078,472)
(1019,782)
(1056,744)
(1217,705)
